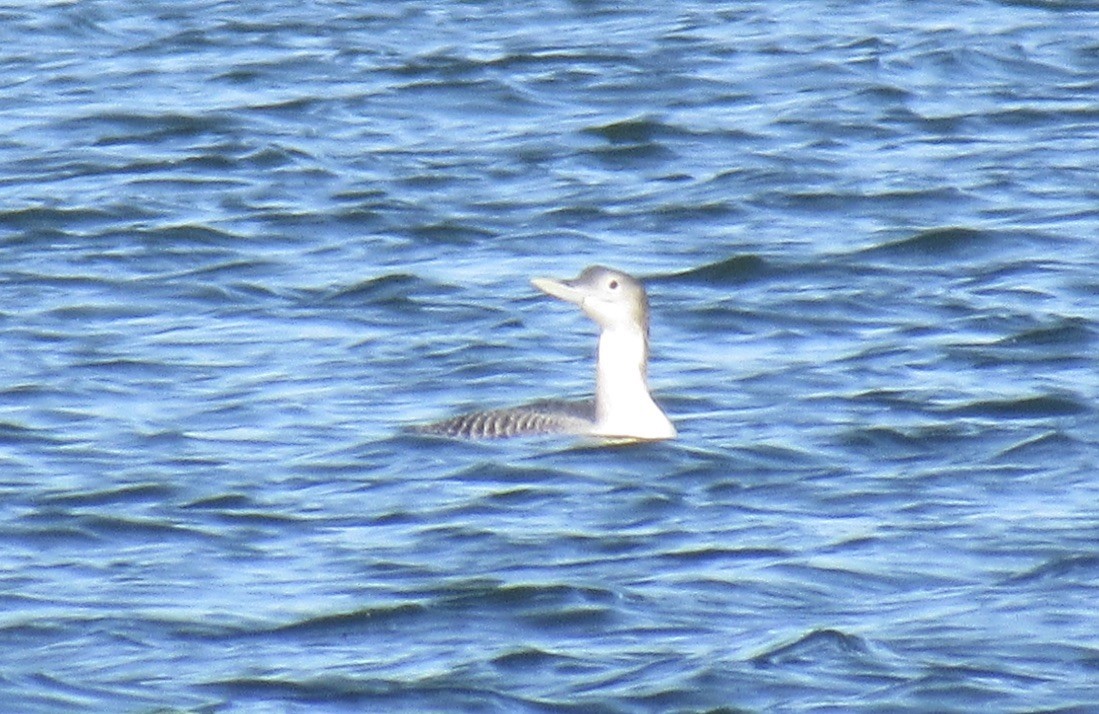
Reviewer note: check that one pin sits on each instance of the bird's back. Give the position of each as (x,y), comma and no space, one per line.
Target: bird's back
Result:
(545,417)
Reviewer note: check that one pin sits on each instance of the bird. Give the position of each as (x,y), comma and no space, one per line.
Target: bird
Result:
(623,408)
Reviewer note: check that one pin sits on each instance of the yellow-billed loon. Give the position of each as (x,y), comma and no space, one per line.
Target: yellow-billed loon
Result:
(623,407)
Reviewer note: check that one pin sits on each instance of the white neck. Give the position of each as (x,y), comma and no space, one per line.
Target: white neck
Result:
(623,405)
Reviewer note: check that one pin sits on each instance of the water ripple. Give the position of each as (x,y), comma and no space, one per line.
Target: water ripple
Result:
(246,244)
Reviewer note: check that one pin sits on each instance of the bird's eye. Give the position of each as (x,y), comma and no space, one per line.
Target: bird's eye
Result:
(613,285)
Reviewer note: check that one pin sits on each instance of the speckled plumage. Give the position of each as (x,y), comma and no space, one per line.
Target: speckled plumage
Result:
(545,417)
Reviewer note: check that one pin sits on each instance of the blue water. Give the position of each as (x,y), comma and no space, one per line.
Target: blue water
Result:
(245,243)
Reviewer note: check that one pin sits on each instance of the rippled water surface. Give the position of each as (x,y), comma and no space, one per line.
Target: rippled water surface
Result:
(245,243)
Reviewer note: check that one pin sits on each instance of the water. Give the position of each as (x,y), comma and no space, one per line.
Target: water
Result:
(244,243)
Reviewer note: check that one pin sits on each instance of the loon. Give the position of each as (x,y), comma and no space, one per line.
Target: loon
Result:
(623,408)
